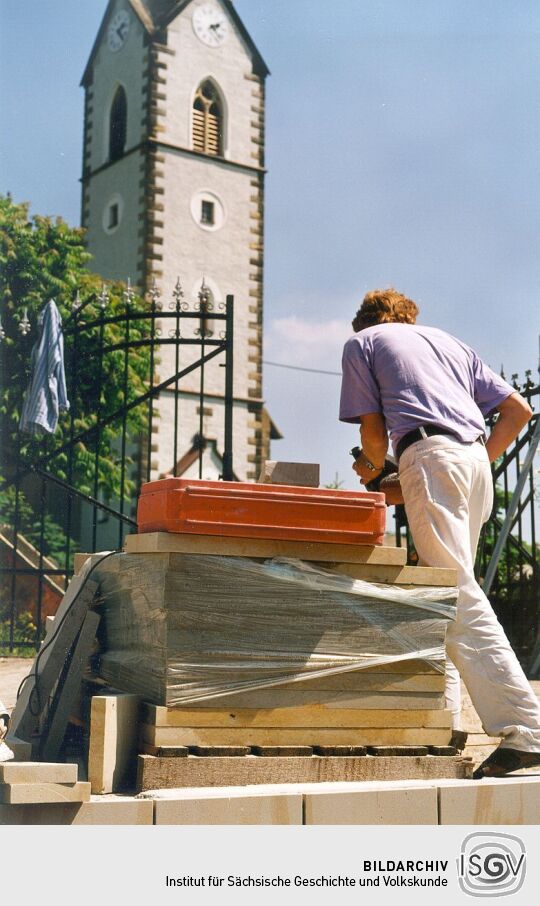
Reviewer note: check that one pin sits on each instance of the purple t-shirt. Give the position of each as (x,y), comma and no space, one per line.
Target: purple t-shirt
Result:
(416,375)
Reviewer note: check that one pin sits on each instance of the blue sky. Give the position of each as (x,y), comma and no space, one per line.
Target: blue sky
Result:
(402,147)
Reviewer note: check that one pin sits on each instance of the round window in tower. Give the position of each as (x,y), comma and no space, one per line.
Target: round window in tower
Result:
(207,210)
(113,213)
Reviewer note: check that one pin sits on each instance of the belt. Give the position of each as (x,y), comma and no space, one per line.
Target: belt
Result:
(419,434)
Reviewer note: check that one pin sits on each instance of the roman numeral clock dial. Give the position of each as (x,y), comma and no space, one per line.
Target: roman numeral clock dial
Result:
(210,25)
(117,31)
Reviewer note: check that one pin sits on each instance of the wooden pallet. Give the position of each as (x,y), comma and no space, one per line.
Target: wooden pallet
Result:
(156,772)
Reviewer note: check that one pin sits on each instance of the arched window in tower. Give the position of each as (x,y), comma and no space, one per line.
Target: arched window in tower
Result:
(118,125)
(208,120)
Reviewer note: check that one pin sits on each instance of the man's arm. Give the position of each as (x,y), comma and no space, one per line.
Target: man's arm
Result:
(374,438)
(514,413)
(374,441)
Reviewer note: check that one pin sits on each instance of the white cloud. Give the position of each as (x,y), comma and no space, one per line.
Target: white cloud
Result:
(315,344)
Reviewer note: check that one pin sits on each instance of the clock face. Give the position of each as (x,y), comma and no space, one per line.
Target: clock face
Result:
(210,24)
(118,30)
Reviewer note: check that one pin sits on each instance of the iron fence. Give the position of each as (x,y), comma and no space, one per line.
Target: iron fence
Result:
(508,560)
(77,489)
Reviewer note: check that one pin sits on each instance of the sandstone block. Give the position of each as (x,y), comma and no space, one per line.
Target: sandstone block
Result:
(228,806)
(99,811)
(373,804)
(506,800)
(304,474)
(37,772)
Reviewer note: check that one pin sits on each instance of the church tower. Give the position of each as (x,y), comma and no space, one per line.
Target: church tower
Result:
(173,185)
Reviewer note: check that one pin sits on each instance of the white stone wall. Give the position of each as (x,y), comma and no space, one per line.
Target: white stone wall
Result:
(125,67)
(163,458)
(115,253)
(222,257)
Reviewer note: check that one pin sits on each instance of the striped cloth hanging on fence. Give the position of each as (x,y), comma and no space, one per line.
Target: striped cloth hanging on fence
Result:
(46,395)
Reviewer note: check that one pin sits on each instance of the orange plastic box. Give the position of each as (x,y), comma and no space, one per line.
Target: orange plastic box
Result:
(279,511)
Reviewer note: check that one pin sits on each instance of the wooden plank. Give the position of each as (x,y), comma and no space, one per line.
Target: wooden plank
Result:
(396,751)
(19,793)
(53,735)
(316,715)
(430,576)
(169,542)
(164,751)
(50,660)
(282,751)
(303,736)
(168,773)
(340,750)
(113,742)
(219,751)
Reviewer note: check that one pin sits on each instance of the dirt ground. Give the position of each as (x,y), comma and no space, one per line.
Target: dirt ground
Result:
(12,672)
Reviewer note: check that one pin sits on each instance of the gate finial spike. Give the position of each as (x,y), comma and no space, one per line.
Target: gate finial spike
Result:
(178,294)
(103,297)
(204,292)
(24,323)
(129,293)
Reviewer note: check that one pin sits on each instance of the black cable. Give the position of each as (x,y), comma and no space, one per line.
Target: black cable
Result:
(34,673)
(298,368)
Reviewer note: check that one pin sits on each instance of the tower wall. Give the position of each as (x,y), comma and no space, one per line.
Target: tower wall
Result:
(160,183)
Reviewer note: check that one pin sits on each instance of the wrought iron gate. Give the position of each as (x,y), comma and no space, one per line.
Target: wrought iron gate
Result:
(77,489)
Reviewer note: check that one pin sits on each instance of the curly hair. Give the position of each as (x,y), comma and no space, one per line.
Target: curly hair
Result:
(382,306)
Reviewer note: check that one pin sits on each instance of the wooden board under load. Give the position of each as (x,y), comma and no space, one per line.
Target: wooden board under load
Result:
(227,651)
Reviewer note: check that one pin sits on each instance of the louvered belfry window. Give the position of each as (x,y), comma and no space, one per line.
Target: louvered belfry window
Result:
(208,120)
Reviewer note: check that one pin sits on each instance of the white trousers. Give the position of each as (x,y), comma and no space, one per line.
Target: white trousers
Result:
(448,493)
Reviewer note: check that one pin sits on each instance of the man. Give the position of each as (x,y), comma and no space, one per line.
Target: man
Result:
(430,392)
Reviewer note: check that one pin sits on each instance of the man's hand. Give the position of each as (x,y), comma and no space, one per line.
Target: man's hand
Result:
(391,488)
(365,474)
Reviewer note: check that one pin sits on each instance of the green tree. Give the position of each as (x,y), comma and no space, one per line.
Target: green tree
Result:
(42,259)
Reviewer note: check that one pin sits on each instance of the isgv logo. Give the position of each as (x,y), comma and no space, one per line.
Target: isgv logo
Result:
(491,865)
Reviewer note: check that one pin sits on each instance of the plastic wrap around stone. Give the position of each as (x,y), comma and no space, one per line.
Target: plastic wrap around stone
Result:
(184,628)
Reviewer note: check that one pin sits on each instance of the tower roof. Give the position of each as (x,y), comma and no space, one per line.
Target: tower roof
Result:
(156,15)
